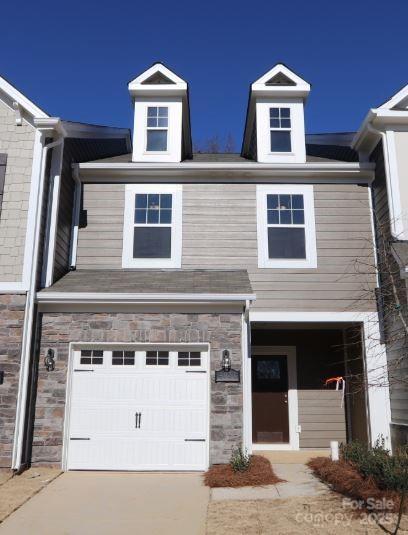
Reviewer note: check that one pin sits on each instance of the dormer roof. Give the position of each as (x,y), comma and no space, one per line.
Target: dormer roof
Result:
(281,81)
(157,80)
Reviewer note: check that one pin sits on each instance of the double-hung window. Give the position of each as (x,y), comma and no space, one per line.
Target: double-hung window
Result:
(152,226)
(280,129)
(157,128)
(286,226)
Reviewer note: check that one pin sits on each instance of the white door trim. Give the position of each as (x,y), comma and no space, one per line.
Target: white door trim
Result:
(75,346)
(290,353)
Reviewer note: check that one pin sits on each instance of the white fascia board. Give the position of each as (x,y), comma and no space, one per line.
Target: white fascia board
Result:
(302,88)
(73,129)
(15,95)
(91,297)
(306,317)
(137,83)
(396,99)
(225,172)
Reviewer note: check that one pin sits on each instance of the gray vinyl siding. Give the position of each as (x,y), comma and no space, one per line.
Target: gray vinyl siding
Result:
(396,349)
(77,150)
(220,231)
(18,143)
(321,418)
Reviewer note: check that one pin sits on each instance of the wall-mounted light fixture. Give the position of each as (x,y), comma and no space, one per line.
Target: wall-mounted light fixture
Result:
(226,360)
(226,374)
(49,360)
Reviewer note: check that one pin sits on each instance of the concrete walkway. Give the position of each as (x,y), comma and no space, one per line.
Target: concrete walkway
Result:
(79,503)
(299,481)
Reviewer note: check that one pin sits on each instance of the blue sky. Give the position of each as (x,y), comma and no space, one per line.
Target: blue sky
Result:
(74,58)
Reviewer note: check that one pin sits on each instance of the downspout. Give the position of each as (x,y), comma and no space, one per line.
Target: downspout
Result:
(29,317)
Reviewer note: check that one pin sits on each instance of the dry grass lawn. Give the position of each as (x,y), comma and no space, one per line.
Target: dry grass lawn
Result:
(323,515)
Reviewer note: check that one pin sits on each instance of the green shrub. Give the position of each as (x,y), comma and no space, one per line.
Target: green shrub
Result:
(390,472)
(240,460)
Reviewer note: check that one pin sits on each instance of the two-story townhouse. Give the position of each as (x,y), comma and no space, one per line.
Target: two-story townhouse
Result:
(36,192)
(210,296)
(383,139)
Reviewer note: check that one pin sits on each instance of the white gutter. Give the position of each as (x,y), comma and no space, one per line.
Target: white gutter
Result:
(93,297)
(29,309)
(231,166)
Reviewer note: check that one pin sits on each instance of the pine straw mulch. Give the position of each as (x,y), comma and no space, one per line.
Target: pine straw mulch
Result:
(259,473)
(344,478)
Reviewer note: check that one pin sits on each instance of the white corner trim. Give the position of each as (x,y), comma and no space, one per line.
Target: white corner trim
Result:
(53,204)
(174,261)
(310,226)
(392,179)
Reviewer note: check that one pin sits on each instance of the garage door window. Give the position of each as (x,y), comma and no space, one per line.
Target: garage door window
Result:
(123,358)
(189,358)
(91,356)
(157,358)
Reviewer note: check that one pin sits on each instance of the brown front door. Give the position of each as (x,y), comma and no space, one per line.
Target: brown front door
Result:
(270,417)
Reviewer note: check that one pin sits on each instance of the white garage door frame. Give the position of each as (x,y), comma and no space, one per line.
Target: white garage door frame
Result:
(108,346)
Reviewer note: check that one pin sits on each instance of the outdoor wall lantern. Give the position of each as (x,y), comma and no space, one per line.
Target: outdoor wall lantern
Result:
(49,360)
(226,374)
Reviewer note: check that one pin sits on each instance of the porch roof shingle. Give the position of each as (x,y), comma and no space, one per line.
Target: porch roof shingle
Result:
(198,281)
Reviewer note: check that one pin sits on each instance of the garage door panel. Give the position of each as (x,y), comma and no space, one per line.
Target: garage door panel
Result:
(172,433)
(120,419)
(137,387)
(126,454)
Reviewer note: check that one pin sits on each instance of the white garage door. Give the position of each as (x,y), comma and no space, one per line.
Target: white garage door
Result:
(138,410)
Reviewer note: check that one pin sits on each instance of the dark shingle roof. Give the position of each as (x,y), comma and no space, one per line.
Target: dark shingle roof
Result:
(154,282)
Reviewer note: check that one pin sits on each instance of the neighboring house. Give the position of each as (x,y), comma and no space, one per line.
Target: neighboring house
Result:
(36,192)
(178,266)
(383,139)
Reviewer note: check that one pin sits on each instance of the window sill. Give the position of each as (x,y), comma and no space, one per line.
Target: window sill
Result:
(287,264)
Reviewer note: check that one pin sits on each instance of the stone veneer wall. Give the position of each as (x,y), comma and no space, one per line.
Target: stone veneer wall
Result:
(11,330)
(59,329)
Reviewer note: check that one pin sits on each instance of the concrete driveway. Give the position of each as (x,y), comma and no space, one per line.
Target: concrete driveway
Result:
(115,503)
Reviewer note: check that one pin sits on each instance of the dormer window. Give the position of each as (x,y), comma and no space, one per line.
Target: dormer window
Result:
(157,128)
(280,127)
(275,130)
(161,131)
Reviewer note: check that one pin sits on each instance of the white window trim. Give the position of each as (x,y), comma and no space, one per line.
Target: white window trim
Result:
(280,129)
(147,128)
(310,226)
(176,227)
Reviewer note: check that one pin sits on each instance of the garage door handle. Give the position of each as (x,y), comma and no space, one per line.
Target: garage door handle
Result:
(138,419)
(194,440)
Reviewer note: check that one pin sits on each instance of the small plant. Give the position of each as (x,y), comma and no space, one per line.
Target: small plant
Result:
(240,460)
